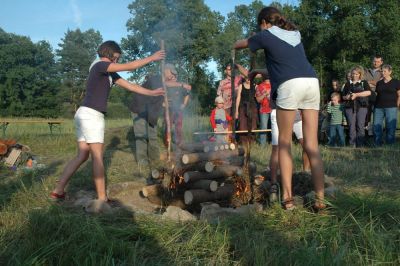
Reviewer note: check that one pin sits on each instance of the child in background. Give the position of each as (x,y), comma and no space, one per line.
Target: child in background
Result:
(336,113)
(219,119)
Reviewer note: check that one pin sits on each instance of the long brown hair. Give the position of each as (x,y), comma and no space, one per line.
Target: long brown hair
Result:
(273,15)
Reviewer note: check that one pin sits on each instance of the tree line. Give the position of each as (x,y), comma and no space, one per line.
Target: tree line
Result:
(37,81)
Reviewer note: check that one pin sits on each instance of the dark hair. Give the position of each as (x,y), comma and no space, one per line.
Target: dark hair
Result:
(273,15)
(108,48)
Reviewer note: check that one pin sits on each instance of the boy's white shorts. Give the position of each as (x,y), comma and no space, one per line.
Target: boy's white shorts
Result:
(89,125)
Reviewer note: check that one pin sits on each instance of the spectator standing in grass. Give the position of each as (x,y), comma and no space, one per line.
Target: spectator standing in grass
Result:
(89,118)
(246,110)
(178,99)
(335,111)
(372,75)
(219,120)
(225,88)
(386,105)
(355,95)
(263,93)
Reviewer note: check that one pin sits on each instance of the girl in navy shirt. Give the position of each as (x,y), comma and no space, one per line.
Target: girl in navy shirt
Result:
(294,86)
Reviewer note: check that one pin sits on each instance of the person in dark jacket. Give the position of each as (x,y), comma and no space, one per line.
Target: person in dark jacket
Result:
(355,96)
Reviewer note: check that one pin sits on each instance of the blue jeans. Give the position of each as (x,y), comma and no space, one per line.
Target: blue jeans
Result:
(333,129)
(263,125)
(390,115)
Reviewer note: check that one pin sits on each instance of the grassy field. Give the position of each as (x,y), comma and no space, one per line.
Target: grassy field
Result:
(362,228)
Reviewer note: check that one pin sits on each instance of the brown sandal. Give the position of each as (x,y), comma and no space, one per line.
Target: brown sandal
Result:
(319,206)
(288,204)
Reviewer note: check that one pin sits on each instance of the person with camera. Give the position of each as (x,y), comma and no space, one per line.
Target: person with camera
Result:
(355,99)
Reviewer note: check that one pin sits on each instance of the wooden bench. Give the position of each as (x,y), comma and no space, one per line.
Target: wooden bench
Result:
(52,123)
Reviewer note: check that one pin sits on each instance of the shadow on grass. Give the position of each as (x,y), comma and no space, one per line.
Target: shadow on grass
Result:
(358,230)
(59,236)
(12,182)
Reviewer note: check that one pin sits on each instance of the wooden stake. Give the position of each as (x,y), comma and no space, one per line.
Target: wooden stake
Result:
(166,106)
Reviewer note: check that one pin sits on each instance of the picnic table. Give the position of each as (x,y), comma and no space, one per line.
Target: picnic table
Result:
(53,123)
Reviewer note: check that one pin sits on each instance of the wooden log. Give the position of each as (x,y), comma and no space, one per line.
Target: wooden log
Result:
(152,190)
(227,170)
(209,167)
(197,157)
(199,195)
(211,148)
(192,147)
(209,185)
(222,171)
(158,173)
(232,146)
(237,160)
(200,166)
(192,176)
(177,203)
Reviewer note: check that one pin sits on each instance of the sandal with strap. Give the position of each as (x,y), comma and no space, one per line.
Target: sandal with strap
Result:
(288,204)
(319,206)
(55,196)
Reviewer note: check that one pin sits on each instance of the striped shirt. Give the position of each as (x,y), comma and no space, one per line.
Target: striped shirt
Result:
(336,114)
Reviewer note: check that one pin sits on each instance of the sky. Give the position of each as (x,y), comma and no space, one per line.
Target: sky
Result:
(50,19)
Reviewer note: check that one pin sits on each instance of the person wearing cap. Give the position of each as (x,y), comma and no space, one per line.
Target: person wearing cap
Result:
(145,114)
(178,99)
(219,119)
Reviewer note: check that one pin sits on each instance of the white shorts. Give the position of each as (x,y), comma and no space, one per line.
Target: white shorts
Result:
(299,93)
(89,125)
(297,127)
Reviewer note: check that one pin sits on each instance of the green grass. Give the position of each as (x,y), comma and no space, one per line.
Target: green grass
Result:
(363,227)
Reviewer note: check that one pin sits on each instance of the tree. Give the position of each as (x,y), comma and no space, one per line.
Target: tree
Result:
(77,51)
(28,77)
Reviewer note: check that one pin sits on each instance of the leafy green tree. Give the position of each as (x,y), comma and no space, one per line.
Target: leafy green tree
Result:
(28,77)
(77,51)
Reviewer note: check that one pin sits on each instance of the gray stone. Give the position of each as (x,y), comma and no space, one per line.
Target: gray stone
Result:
(177,214)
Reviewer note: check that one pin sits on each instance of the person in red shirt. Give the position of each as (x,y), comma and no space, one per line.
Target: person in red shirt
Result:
(263,91)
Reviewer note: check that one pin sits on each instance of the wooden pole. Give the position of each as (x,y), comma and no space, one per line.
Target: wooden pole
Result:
(233,94)
(166,106)
(236,132)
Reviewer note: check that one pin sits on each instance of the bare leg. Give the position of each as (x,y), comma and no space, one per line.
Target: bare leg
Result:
(96,151)
(274,164)
(310,132)
(306,160)
(285,119)
(72,166)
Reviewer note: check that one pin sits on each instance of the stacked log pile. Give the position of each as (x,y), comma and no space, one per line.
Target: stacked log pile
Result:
(12,153)
(203,172)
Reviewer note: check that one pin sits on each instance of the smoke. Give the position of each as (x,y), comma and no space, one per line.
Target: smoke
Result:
(76,12)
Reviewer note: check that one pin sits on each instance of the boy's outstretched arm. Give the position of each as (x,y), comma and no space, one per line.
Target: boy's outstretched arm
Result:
(115,67)
(138,89)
